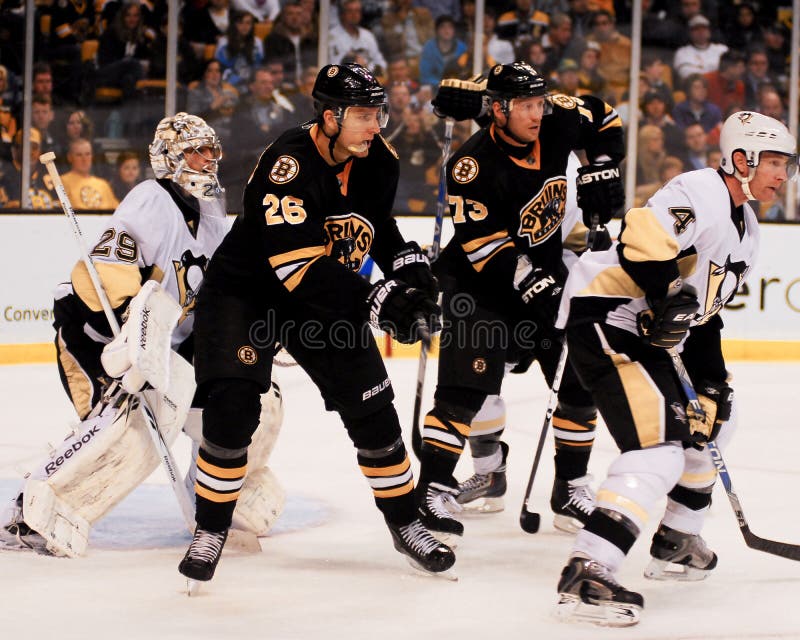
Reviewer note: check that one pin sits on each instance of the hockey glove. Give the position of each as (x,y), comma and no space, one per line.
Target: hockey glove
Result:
(459,99)
(412,266)
(716,400)
(539,289)
(405,313)
(666,323)
(600,191)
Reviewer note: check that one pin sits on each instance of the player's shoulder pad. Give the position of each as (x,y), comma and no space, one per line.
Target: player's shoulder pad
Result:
(473,161)
(147,204)
(284,162)
(692,201)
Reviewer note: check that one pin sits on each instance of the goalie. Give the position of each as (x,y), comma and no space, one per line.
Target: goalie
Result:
(151,260)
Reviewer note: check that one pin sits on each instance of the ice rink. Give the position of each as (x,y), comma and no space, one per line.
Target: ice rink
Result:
(328,569)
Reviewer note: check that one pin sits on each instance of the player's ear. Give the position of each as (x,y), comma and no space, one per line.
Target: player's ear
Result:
(740,163)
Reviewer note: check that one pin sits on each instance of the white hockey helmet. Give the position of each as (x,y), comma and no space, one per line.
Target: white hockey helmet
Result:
(753,133)
(174,136)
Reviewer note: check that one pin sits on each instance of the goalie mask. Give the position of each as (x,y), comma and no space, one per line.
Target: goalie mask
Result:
(753,133)
(175,137)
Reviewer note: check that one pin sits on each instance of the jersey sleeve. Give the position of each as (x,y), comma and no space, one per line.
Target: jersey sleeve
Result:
(598,125)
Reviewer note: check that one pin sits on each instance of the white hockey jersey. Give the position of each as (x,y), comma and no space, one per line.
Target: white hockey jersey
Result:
(149,238)
(690,219)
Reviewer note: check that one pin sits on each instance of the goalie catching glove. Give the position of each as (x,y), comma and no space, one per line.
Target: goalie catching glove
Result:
(600,191)
(460,99)
(405,313)
(716,400)
(141,352)
(667,321)
(413,267)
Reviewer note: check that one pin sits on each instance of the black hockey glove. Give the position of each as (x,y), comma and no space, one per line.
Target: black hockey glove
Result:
(716,399)
(600,191)
(541,291)
(459,99)
(412,266)
(600,240)
(667,321)
(405,313)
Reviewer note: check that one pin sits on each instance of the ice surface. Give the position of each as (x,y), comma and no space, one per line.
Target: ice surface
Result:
(328,570)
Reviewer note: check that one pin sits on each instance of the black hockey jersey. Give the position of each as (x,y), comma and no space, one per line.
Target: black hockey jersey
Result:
(307,226)
(503,205)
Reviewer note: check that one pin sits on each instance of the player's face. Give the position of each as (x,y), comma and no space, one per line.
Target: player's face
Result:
(525,117)
(359,126)
(772,171)
(202,158)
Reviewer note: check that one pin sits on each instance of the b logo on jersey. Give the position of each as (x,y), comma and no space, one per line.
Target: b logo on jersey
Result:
(563,101)
(350,231)
(189,273)
(284,170)
(717,291)
(543,215)
(466,170)
(247,355)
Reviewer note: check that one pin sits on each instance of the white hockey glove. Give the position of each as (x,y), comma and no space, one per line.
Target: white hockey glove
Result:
(141,351)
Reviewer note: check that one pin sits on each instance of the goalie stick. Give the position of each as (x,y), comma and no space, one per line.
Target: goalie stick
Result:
(433,253)
(782,549)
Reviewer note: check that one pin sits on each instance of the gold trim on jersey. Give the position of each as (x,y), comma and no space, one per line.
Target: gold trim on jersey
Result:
(611,119)
(576,238)
(645,239)
(622,503)
(698,479)
(290,267)
(78,381)
(613,282)
(480,250)
(481,427)
(120,282)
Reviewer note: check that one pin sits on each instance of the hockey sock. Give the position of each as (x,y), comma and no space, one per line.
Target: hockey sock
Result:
(573,428)
(220,476)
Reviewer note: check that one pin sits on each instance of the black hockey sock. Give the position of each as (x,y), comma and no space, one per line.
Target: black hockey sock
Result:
(219,481)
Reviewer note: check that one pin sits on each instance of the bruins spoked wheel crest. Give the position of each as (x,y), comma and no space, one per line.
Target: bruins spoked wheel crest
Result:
(466,170)
(284,170)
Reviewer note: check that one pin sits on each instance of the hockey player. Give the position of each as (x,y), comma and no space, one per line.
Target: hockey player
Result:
(318,201)
(157,244)
(503,271)
(680,258)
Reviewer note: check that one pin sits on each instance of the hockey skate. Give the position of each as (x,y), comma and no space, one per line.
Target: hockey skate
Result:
(200,561)
(16,535)
(423,552)
(679,556)
(436,505)
(483,493)
(572,502)
(588,592)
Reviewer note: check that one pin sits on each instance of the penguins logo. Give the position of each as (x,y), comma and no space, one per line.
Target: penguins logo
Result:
(720,289)
(543,215)
(745,117)
(189,272)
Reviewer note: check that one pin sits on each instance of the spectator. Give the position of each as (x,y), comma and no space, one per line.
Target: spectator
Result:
(78,125)
(567,77)
(659,77)
(212,99)
(261,10)
(725,86)
(205,24)
(41,192)
(440,52)
(778,50)
(589,78)
(302,101)
(700,55)
(661,33)
(400,99)
(349,38)
(757,74)
(42,116)
(399,71)
(615,52)
(124,51)
(714,158)
(559,43)
(697,108)
(745,30)
(127,175)
(85,190)
(523,22)
(291,43)
(439,8)
(495,50)
(771,104)
(696,142)
(9,91)
(534,53)
(417,156)
(624,107)
(581,14)
(405,29)
(668,168)
(239,51)
(71,24)
(191,60)
(650,153)
(654,112)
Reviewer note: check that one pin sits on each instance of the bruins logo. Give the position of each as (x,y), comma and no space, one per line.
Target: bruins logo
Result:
(348,238)
(565,102)
(543,215)
(247,355)
(284,170)
(466,170)
(333,71)
(479,365)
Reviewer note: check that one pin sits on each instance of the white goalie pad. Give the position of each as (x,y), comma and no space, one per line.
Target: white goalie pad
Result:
(141,351)
(102,461)
(260,503)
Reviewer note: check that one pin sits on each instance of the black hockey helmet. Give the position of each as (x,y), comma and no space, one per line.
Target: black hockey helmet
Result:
(515,80)
(346,85)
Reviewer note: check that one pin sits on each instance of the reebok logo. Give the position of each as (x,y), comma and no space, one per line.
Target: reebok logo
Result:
(54,465)
(143,327)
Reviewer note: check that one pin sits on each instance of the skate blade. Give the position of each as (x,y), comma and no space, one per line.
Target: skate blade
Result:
(483,506)
(570,608)
(449,575)
(567,524)
(192,587)
(244,541)
(665,570)
(12,543)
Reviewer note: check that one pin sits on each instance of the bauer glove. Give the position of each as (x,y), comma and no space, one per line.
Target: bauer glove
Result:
(600,191)
(716,400)
(667,321)
(413,267)
(405,313)
(459,99)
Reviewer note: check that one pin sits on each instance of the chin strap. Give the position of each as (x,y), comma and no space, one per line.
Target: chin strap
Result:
(745,181)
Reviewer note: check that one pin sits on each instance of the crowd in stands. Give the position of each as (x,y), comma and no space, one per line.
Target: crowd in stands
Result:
(247,67)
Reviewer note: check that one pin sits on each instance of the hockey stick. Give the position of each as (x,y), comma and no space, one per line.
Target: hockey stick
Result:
(782,549)
(433,253)
(530,520)
(162,449)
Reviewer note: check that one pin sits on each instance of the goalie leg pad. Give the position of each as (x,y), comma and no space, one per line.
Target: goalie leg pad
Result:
(260,502)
